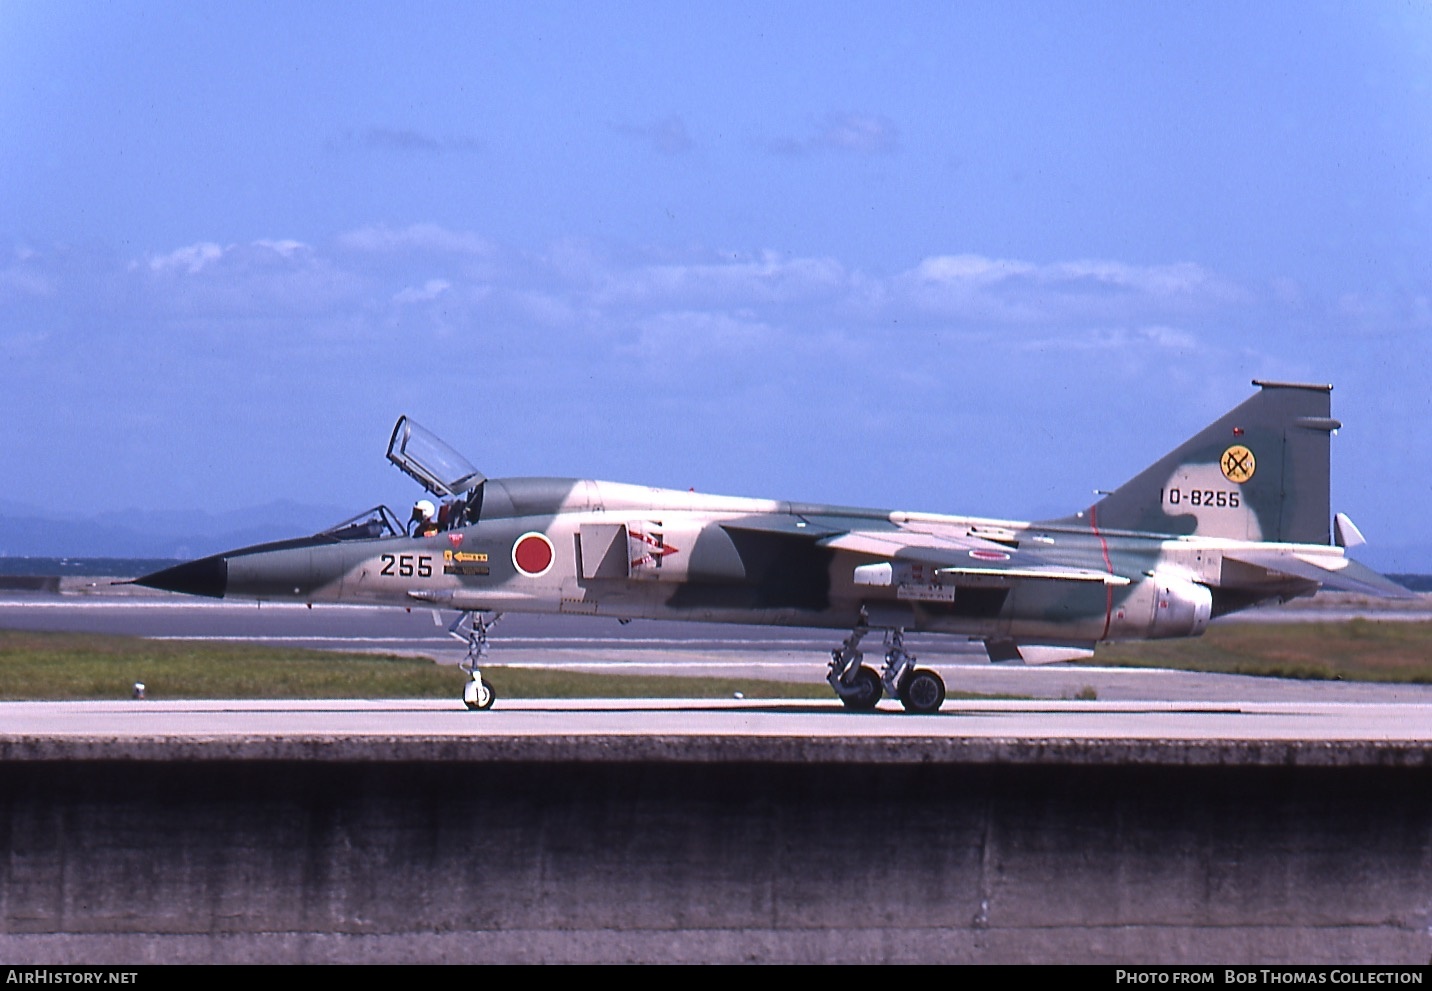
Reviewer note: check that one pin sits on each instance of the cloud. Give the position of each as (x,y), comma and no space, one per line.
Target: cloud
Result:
(1168,337)
(973,269)
(191,259)
(288,249)
(274,278)
(429,291)
(1183,278)
(1384,311)
(1014,291)
(402,140)
(25,280)
(415,238)
(667,136)
(373,282)
(954,293)
(847,133)
(195,258)
(755,371)
(1117,339)
(769,278)
(688,336)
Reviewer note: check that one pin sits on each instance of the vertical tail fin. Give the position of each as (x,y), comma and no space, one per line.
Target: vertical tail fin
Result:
(1260,472)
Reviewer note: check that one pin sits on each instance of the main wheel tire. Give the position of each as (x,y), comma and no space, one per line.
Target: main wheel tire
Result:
(863,694)
(482,698)
(923,692)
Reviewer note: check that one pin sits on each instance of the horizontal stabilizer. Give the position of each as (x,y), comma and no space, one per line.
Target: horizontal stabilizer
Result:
(1340,573)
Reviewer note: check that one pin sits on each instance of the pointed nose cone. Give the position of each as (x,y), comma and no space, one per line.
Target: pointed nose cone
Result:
(206,576)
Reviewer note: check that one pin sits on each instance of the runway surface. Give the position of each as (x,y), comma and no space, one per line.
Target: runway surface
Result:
(647,647)
(217,723)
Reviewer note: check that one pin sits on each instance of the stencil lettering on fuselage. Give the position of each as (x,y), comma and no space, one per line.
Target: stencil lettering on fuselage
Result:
(1219,507)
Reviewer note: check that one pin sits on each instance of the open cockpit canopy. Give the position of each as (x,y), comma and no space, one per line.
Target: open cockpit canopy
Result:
(425,457)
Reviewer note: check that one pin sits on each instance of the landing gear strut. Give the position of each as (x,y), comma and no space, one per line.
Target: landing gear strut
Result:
(919,690)
(857,685)
(471,628)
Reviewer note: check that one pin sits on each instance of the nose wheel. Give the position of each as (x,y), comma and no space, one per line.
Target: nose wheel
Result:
(477,694)
(471,628)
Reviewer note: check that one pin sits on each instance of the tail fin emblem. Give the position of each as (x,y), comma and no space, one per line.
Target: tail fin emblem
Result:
(1238,464)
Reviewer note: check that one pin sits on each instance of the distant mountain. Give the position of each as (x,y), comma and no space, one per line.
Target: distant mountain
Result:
(29,531)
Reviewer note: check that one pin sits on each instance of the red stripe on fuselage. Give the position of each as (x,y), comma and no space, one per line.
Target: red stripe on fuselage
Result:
(1108,566)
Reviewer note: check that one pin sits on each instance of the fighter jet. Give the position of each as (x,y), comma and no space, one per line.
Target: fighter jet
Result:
(1234,517)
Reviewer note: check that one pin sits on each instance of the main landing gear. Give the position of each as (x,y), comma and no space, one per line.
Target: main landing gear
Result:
(472,627)
(919,690)
(857,686)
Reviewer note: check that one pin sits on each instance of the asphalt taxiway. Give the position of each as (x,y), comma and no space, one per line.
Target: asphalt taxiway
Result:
(378,729)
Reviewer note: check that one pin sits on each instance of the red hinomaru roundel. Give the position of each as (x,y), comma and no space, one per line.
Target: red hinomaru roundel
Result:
(532,554)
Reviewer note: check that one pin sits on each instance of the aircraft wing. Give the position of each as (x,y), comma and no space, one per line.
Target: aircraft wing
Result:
(963,557)
(1341,573)
(949,556)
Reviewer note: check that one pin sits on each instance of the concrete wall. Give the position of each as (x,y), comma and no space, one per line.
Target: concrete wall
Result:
(350,861)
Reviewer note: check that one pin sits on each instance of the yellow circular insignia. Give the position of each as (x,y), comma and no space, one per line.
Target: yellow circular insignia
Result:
(1238,464)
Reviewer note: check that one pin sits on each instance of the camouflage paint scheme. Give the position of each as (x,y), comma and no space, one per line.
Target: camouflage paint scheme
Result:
(1236,516)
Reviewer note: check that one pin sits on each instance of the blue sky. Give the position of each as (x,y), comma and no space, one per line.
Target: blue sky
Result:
(974,257)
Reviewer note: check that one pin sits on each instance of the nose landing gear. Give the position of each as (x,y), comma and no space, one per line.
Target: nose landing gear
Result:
(472,627)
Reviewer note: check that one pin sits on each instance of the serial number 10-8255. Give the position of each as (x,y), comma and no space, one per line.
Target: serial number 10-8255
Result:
(408,565)
(1219,498)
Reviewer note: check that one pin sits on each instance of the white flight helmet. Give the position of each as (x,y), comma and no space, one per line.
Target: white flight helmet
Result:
(424,510)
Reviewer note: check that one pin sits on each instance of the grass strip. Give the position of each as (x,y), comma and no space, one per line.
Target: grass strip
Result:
(86,666)
(1354,650)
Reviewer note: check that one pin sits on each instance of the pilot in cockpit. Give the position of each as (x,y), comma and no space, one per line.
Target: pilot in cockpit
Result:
(424,521)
